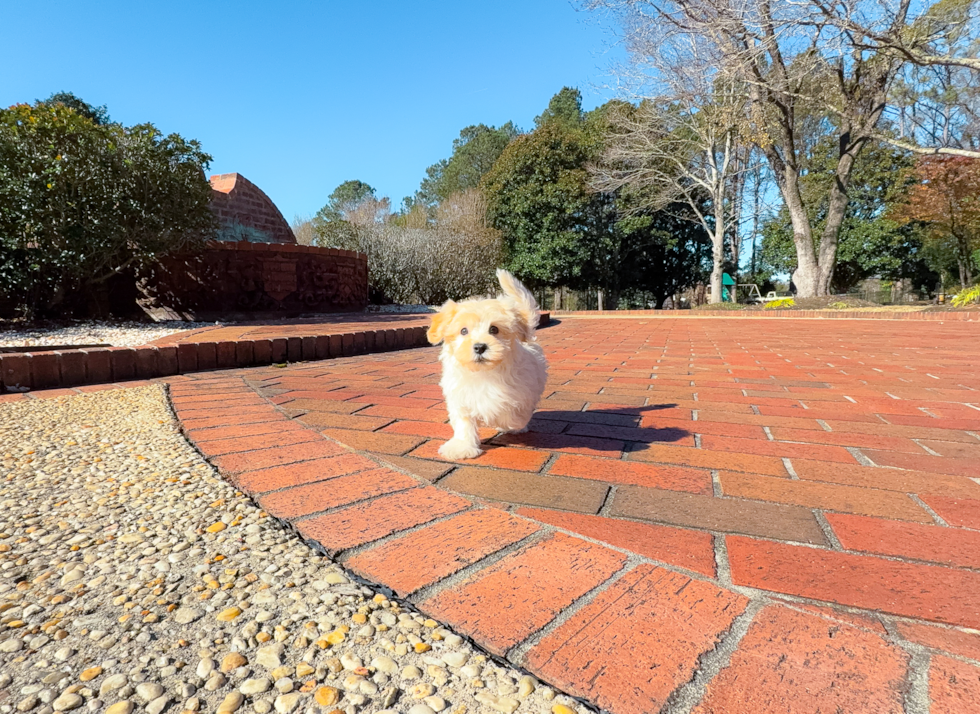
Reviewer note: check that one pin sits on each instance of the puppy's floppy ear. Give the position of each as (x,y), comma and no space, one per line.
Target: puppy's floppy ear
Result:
(440,321)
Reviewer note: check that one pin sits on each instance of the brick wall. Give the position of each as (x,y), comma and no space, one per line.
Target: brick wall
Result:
(236,201)
(254,281)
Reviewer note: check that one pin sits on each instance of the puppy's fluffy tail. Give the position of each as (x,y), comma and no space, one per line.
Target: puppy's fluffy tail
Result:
(523,300)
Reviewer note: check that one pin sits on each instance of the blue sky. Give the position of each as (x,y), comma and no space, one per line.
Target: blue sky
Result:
(301,96)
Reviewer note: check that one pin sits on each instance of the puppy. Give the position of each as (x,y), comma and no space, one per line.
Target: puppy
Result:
(493,370)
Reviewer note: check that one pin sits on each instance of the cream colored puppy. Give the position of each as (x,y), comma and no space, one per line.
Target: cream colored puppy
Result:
(493,370)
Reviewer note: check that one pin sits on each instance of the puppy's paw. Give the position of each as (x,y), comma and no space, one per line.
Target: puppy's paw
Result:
(456,450)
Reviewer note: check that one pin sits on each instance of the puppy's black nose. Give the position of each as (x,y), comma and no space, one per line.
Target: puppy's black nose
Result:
(480,348)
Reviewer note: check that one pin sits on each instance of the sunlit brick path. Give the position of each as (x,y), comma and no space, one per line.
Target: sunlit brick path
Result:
(706,515)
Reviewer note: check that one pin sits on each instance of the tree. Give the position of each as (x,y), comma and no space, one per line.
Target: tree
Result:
(872,242)
(837,61)
(684,146)
(555,228)
(474,154)
(330,224)
(97,115)
(82,202)
(946,200)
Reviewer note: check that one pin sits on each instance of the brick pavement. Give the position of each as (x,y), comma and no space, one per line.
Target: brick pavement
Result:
(706,515)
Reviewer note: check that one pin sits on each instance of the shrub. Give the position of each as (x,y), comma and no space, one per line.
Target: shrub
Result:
(82,202)
(452,258)
(778,304)
(966,297)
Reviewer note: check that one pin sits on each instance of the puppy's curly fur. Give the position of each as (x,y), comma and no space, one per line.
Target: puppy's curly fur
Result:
(493,369)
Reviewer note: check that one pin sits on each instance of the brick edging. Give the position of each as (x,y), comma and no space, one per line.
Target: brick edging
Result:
(100,365)
(26,371)
(959,316)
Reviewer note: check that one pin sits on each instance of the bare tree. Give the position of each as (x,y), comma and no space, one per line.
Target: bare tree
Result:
(302,227)
(684,144)
(832,59)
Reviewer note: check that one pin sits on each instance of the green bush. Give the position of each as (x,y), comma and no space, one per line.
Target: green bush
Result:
(82,202)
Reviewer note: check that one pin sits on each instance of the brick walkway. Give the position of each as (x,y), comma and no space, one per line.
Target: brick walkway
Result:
(706,515)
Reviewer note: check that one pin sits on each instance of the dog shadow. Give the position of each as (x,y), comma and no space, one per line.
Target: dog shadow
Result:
(600,430)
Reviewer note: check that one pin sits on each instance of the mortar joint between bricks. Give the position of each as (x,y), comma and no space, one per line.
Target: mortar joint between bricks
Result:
(722,567)
(516,654)
(939,520)
(453,579)
(828,531)
(688,695)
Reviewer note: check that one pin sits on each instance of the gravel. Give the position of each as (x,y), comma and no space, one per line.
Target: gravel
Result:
(88,332)
(114,595)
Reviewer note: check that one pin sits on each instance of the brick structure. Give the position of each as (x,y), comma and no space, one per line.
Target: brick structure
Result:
(240,204)
(254,281)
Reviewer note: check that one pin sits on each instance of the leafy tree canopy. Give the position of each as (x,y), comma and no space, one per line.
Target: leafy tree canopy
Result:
(97,115)
(81,202)
(330,225)
(474,154)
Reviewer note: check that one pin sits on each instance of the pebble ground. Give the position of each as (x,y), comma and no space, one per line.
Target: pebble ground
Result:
(89,332)
(133,578)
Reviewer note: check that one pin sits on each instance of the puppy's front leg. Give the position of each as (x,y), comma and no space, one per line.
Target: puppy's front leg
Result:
(465,443)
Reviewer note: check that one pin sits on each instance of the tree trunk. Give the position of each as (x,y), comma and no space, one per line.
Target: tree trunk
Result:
(718,249)
(599,298)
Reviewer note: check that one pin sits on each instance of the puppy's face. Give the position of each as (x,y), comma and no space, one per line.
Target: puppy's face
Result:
(479,334)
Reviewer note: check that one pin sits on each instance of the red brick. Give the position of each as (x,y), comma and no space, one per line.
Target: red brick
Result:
(392,412)
(313,406)
(294,349)
(963,512)
(308,347)
(689,549)
(792,662)
(16,370)
(501,457)
(343,421)
(531,586)
(45,372)
(322,347)
(303,472)
(207,355)
(227,354)
(927,592)
(884,478)
(71,364)
(954,687)
(123,360)
(187,357)
(954,449)
(957,642)
(303,500)
(421,558)
(336,346)
(626,472)
(167,361)
(279,426)
(632,646)
(949,546)
(833,497)
(670,434)
(395,444)
(98,365)
(427,429)
(280,350)
(866,622)
(254,416)
(527,488)
(244,353)
(863,441)
(381,517)
(925,462)
(262,351)
(276,456)
(700,458)
(728,515)
(776,448)
(253,442)
(568,444)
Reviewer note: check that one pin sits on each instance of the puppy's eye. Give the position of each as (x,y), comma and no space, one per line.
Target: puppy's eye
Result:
(493,330)
(464,331)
